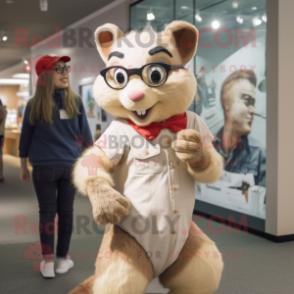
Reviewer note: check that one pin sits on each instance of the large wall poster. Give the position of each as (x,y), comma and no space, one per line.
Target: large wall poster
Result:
(231,38)
(233,106)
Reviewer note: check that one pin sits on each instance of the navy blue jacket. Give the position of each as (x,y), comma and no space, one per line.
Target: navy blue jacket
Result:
(59,143)
(246,157)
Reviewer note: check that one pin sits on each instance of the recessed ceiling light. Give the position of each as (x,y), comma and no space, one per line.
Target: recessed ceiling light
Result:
(235,5)
(150,15)
(256,21)
(239,19)
(13,81)
(254,8)
(21,76)
(25,62)
(264,18)
(215,24)
(185,7)
(198,17)
(4,38)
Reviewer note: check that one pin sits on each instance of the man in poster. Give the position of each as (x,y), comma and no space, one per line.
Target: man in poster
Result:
(242,153)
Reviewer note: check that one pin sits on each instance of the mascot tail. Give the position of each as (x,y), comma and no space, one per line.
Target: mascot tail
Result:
(85,287)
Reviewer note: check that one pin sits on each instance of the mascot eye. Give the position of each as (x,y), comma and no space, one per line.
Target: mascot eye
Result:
(120,76)
(156,75)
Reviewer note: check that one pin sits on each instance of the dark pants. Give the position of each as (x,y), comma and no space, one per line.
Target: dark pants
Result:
(55,194)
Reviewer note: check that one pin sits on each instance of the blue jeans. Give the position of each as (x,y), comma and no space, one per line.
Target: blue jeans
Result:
(55,194)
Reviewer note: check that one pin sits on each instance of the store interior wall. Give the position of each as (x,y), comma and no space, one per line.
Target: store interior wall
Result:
(280,203)
(285,119)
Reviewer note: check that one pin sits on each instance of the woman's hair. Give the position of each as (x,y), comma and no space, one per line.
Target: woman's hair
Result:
(42,104)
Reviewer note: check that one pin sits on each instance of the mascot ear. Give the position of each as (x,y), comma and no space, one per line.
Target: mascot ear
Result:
(105,37)
(186,38)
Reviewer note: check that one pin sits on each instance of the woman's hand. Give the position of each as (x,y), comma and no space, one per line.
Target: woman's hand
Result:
(25,174)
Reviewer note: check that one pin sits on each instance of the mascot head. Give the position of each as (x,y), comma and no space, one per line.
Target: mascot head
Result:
(145,79)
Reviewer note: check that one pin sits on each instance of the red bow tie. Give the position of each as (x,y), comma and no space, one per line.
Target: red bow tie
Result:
(175,123)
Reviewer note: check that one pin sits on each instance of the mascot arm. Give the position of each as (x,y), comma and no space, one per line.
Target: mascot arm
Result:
(93,163)
(92,176)
(204,163)
(209,168)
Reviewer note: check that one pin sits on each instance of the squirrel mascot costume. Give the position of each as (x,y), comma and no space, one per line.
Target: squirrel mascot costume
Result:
(139,175)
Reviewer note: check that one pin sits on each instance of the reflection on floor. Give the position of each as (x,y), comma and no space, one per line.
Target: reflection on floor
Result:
(252,264)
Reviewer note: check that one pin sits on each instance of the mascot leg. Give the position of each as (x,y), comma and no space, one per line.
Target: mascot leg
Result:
(198,268)
(122,266)
(85,287)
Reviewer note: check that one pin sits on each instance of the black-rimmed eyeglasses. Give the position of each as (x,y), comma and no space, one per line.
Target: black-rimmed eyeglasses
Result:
(152,74)
(60,69)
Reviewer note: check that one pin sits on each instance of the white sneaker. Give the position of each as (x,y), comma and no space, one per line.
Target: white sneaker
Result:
(64,264)
(47,269)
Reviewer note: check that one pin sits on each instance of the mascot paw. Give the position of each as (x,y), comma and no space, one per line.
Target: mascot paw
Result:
(109,206)
(188,146)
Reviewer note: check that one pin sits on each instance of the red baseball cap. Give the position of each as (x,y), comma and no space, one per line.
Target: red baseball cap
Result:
(49,61)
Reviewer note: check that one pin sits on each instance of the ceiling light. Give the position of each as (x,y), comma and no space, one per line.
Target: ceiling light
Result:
(87,80)
(264,18)
(235,5)
(254,8)
(256,21)
(185,7)
(215,24)
(21,76)
(13,81)
(198,17)
(43,5)
(9,1)
(4,38)
(25,62)
(239,19)
(150,15)
(23,94)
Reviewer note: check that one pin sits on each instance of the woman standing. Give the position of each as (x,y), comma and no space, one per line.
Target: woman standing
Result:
(55,130)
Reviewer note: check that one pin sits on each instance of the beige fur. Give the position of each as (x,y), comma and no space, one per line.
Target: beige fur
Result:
(132,274)
(188,146)
(105,38)
(109,206)
(213,172)
(85,287)
(120,277)
(127,270)
(117,240)
(198,268)
(204,163)
(164,99)
(80,175)
(122,266)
